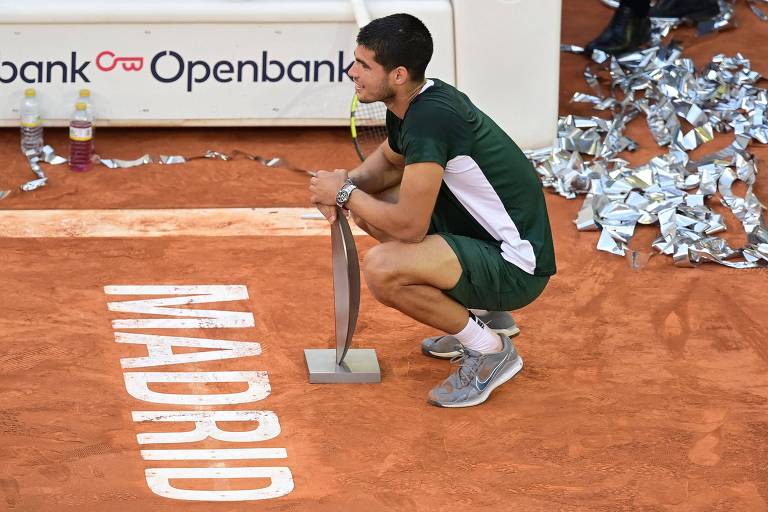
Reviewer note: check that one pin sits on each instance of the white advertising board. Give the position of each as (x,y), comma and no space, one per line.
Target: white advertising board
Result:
(255,63)
(266,62)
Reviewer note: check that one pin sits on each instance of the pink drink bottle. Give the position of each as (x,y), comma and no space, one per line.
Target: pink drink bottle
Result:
(80,138)
(85,97)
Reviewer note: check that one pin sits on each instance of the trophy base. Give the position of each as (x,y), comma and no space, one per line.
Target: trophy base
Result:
(359,366)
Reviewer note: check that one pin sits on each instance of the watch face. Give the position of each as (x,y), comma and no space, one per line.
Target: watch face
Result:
(342,197)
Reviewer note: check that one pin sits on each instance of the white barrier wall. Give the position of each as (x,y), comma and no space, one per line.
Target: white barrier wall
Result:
(508,62)
(194,62)
(266,62)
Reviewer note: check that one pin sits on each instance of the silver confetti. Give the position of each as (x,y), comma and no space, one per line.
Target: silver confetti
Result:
(114,163)
(684,107)
(756,10)
(50,156)
(171,160)
(34,184)
(571,48)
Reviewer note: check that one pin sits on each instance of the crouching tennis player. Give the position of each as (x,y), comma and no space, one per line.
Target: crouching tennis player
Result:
(457,207)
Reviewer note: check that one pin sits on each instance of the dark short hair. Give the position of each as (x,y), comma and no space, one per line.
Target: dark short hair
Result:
(399,40)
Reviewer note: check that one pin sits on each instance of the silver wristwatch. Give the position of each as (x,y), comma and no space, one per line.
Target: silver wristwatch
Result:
(342,196)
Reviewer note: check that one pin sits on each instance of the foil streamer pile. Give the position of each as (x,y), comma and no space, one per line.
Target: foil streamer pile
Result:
(683,107)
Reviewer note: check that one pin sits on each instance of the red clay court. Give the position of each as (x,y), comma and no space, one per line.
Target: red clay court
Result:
(643,390)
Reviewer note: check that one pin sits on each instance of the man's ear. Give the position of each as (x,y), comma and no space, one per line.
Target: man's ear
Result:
(400,75)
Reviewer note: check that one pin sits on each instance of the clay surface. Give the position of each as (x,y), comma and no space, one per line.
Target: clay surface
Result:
(643,390)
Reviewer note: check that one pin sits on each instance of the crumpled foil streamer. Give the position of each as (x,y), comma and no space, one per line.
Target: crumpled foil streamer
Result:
(34,184)
(723,21)
(754,6)
(274,162)
(210,154)
(683,108)
(114,163)
(49,156)
(571,48)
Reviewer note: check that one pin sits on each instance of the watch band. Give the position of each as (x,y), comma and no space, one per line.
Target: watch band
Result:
(344,192)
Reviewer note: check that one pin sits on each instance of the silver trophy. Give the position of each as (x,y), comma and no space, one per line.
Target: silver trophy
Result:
(343,364)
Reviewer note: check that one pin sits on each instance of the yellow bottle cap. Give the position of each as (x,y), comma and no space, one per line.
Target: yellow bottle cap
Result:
(29,93)
(80,105)
(85,93)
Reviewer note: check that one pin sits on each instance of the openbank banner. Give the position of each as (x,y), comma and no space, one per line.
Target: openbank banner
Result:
(186,74)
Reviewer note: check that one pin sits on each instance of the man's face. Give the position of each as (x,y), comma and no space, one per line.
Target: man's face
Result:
(370,77)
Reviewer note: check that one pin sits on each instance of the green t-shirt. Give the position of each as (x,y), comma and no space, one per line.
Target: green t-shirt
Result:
(490,190)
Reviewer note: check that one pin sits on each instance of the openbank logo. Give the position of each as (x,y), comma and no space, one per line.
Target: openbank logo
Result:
(169,67)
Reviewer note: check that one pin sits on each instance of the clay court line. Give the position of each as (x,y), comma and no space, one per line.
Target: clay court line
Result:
(163,223)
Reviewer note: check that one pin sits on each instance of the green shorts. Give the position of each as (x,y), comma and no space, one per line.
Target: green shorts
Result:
(488,281)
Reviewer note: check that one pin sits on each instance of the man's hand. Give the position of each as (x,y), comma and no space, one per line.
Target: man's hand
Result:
(324,186)
(328,211)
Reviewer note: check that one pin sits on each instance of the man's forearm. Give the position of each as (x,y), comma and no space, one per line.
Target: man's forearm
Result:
(407,217)
(391,220)
(376,173)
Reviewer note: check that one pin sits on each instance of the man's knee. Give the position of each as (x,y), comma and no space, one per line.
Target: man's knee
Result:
(381,271)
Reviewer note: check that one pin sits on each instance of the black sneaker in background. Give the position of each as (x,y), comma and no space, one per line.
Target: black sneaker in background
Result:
(625,33)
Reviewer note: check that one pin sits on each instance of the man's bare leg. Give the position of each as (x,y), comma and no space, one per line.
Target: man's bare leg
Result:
(411,278)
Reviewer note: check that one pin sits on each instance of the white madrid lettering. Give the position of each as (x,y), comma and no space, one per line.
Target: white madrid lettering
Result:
(160,349)
(206,424)
(281,483)
(258,388)
(196,294)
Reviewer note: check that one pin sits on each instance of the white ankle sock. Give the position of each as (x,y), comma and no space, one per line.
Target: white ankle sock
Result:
(478,336)
(479,312)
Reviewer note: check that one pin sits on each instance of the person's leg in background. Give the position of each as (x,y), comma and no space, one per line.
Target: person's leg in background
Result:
(630,25)
(627,30)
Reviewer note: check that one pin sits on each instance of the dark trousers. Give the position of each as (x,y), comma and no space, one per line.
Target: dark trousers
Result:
(639,7)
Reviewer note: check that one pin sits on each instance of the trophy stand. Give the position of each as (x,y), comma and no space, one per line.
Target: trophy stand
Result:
(343,364)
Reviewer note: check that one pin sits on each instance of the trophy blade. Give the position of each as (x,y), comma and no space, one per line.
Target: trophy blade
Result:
(353,284)
(340,287)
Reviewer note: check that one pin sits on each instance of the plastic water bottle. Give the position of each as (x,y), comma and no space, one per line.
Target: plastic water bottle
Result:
(80,138)
(31,124)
